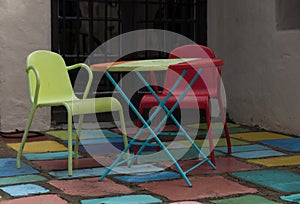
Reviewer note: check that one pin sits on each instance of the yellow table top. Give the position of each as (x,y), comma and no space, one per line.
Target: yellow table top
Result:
(139,65)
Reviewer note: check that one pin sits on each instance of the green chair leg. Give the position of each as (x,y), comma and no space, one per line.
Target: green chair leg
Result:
(33,109)
(80,122)
(76,147)
(123,128)
(70,140)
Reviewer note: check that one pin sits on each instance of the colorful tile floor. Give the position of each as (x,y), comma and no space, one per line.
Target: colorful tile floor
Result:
(264,168)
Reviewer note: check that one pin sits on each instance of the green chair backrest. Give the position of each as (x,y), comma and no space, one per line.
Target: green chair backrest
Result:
(52,74)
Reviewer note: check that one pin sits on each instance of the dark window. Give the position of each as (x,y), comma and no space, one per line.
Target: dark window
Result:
(287,14)
(80,26)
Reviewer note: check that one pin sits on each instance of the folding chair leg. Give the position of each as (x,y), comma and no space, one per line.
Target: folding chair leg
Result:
(229,151)
(210,136)
(223,115)
(139,122)
(70,144)
(136,148)
(33,109)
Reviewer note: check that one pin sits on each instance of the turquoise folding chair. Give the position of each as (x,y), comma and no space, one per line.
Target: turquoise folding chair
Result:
(50,85)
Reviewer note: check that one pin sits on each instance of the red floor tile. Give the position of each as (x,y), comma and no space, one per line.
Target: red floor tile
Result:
(203,187)
(62,164)
(29,139)
(168,128)
(91,187)
(41,199)
(224,164)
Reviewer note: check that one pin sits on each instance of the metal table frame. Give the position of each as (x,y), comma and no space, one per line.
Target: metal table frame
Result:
(153,133)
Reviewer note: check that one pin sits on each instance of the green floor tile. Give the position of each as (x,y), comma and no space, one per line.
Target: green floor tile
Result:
(243,148)
(230,130)
(238,130)
(61,134)
(48,156)
(85,134)
(282,180)
(21,179)
(247,199)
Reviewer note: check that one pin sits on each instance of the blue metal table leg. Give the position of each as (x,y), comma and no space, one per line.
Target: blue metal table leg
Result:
(115,163)
(154,132)
(169,112)
(161,104)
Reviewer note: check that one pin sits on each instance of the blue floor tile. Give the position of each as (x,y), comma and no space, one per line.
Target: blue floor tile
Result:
(281,180)
(108,148)
(47,156)
(132,199)
(290,144)
(178,154)
(149,177)
(243,148)
(257,154)
(24,190)
(77,173)
(10,163)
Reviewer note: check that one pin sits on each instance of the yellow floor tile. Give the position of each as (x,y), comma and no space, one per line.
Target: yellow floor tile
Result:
(255,136)
(40,146)
(215,125)
(61,134)
(277,161)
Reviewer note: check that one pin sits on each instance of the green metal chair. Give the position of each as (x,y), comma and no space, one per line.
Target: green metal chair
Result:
(50,85)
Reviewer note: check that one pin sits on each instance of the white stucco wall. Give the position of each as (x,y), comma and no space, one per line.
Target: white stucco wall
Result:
(25,27)
(261,72)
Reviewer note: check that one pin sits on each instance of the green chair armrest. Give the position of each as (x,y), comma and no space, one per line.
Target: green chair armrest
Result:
(90,74)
